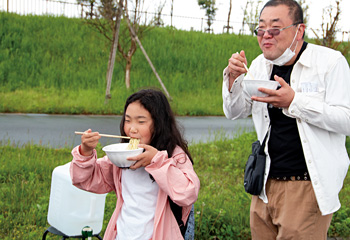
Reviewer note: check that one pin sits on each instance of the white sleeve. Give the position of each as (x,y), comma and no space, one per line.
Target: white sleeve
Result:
(329,108)
(234,103)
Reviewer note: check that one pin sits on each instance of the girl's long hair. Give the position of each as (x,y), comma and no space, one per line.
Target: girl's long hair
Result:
(166,131)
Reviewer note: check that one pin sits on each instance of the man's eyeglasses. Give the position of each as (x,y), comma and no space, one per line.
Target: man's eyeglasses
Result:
(272,31)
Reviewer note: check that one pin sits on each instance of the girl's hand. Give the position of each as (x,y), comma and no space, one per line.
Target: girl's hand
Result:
(89,141)
(144,159)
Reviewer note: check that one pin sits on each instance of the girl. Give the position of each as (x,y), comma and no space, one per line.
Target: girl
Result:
(156,194)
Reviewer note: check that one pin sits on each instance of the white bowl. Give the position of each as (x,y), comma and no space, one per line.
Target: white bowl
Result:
(252,86)
(117,154)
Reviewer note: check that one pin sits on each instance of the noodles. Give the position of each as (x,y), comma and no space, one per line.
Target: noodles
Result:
(134,142)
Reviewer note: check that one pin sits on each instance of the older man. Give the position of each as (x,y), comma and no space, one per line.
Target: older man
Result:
(309,118)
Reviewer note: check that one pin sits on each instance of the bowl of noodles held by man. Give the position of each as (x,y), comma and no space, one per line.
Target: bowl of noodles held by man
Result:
(252,86)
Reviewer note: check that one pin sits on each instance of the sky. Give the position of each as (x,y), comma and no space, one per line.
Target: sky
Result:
(191,8)
(188,15)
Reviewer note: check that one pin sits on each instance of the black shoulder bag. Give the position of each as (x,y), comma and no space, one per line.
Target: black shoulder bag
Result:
(255,168)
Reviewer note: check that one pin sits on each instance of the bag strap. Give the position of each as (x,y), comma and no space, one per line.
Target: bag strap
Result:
(262,148)
(177,211)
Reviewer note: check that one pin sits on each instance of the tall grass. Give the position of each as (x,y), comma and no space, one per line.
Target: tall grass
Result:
(221,211)
(60,58)
(58,65)
(48,52)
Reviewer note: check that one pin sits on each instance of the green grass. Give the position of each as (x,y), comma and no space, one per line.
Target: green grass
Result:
(221,212)
(58,65)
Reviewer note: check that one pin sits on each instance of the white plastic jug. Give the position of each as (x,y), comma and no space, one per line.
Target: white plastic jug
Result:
(70,208)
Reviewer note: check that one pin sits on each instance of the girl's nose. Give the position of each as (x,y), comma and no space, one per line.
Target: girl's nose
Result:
(133,130)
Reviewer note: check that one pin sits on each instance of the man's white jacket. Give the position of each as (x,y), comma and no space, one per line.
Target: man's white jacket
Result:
(321,107)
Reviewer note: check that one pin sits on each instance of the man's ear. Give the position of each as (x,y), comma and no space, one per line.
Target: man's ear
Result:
(301,31)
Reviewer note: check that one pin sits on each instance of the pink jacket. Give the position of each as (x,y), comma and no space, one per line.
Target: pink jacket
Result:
(175,177)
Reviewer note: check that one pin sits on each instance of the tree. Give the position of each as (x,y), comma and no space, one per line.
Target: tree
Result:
(123,37)
(171,13)
(209,6)
(305,8)
(329,29)
(89,13)
(251,15)
(136,31)
(127,43)
(157,20)
(228,27)
(147,58)
(106,19)
(245,13)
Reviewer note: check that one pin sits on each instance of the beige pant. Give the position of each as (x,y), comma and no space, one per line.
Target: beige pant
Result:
(291,213)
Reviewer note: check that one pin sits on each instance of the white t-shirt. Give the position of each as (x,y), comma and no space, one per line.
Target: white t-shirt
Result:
(136,218)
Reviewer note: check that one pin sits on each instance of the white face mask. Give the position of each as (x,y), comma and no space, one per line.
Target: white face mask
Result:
(287,55)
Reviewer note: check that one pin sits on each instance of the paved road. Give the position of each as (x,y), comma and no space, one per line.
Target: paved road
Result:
(58,130)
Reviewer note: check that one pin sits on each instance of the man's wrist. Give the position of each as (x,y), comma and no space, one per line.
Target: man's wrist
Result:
(231,81)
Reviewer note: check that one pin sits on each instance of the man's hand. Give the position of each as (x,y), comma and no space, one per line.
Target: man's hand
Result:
(236,67)
(280,98)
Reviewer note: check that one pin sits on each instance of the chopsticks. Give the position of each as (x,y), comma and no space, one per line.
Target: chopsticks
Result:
(246,68)
(104,135)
